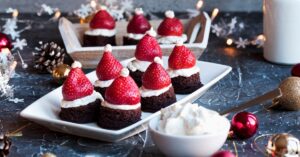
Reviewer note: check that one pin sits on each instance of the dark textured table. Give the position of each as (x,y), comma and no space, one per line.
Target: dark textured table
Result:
(251,76)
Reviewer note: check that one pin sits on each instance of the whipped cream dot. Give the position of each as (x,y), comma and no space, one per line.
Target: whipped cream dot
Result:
(158,60)
(151,32)
(124,72)
(170,14)
(108,48)
(76,64)
(139,11)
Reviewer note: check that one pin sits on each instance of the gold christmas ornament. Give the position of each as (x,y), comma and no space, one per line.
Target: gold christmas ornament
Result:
(280,145)
(290,99)
(87,19)
(60,73)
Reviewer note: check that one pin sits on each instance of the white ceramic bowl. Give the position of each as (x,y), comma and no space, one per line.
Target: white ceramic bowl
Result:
(200,145)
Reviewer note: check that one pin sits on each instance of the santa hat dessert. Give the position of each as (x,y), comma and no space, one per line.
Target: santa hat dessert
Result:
(157,91)
(80,102)
(107,70)
(183,70)
(102,29)
(121,106)
(146,50)
(170,29)
(136,28)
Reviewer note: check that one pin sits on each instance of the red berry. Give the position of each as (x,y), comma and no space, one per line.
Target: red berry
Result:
(181,58)
(102,19)
(147,49)
(170,26)
(223,153)
(123,91)
(108,68)
(244,125)
(296,70)
(138,25)
(77,85)
(155,77)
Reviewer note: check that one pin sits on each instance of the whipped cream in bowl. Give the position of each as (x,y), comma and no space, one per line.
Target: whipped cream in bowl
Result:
(189,130)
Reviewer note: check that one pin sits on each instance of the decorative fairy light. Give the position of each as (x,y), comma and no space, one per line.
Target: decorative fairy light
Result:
(199,4)
(229,42)
(93,4)
(15,14)
(214,14)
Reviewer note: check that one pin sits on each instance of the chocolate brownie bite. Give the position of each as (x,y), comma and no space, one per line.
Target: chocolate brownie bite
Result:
(146,50)
(121,106)
(157,91)
(102,30)
(107,70)
(81,103)
(136,28)
(183,70)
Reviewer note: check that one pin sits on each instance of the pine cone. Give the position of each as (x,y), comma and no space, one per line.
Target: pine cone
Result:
(48,56)
(5,144)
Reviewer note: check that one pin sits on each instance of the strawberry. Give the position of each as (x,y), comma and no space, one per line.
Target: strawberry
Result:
(123,90)
(77,85)
(170,26)
(148,48)
(138,24)
(156,77)
(181,57)
(103,20)
(109,67)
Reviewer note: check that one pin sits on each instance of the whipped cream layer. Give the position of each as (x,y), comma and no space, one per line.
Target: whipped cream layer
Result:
(103,84)
(190,119)
(81,101)
(120,107)
(135,36)
(102,32)
(138,65)
(183,72)
(151,92)
(172,39)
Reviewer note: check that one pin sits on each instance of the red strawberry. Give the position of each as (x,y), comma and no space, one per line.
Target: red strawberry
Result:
(156,77)
(102,19)
(77,85)
(123,90)
(109,67)
(148,48)
(138,24)
(170,26)
(181,57)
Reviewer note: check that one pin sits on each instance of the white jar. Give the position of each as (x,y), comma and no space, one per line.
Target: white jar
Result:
(282,31)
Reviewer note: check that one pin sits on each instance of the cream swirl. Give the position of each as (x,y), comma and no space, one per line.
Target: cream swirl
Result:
(81,101)
(102,32)
(152,92)
(135,36)
(172,39)
(120,107)
(183,72)
(103,84)
(138,65)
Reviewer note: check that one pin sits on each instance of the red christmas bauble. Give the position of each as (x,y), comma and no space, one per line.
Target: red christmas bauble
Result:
(223,153)
(5,42)
(296,70)
(244,124)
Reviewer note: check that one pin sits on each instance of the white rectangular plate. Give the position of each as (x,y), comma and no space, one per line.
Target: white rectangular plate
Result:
(45,110)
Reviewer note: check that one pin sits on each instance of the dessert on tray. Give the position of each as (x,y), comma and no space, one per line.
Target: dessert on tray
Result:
(121,106)
(81,103)
(102,30)
(183,70)
(170,30)
(107,70)
(157,91)
(136,28)
(146,50)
